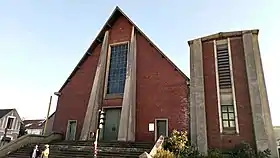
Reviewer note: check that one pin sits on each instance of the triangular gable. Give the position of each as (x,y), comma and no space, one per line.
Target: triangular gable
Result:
(8,111)
(112,19)
(4,112)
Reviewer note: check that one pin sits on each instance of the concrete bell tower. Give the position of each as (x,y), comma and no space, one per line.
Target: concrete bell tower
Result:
(228,98)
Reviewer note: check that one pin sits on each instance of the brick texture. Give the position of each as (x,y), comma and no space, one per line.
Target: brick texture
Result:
(242,92)
(72,104)
(215,139)
(161,89)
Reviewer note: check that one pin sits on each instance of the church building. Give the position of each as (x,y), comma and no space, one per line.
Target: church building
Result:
(144,95)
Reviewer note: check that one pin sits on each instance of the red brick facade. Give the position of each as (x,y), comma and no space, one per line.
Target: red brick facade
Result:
(215,139)
(161,90)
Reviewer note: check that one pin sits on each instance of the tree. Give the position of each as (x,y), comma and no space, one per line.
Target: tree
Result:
(22,130)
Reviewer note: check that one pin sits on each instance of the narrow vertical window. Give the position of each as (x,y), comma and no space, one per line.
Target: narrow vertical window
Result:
(10,123)
(117,69)
(225,87)
(223,66)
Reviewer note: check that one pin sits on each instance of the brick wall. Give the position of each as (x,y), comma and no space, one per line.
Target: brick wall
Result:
(215,139)
(72,103)
(161,90)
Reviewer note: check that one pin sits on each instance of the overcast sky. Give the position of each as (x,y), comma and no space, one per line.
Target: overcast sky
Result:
(42,41)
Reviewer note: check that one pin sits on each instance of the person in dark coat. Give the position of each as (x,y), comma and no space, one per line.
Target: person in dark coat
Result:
(39,152)
(35,151)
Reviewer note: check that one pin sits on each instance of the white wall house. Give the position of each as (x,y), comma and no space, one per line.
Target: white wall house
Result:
(9,119)
(34,126)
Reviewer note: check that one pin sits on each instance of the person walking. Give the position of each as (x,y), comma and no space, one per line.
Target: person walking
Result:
(45,153)
(35,152)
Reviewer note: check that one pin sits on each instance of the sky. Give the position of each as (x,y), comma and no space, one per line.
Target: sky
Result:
(42,41)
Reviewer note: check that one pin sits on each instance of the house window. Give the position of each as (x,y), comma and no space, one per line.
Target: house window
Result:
(117,69)
(228,117)
(10,123)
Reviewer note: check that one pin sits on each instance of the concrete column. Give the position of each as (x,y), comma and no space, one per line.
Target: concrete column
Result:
(197,98)
(128,116)
(264,135)
(132,111)
(96,95)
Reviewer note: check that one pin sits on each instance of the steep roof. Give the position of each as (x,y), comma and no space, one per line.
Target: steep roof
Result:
(33,124)
(4,112)
(225,35)
(110,22)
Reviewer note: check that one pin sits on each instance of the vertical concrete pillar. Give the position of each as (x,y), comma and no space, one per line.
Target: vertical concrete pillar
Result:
(95,100)
(263,129)
(128,116)
(197,98)
(132,111)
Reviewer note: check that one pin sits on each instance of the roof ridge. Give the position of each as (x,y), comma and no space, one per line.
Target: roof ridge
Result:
(33,119)
(4,112)
(117,12)
(225,34)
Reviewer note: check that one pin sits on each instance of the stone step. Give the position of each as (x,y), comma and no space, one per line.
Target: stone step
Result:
(62,148)
(101,143)
(138,151)
(84,149)
(81,155)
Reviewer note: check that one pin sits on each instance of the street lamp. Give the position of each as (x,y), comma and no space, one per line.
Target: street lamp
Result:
(101,122)
(101,118)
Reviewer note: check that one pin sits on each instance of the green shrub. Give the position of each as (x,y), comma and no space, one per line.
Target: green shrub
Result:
(190,152)
(244,150)
(164,154)
(177,145)
(214,153)
(177,142)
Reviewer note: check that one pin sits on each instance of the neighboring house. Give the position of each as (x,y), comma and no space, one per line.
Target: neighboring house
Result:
(37,126)
(10,119)
(277,136)
(34,126)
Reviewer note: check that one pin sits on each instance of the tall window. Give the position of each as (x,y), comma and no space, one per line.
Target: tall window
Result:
(225,86)
(117,69)
(10,123)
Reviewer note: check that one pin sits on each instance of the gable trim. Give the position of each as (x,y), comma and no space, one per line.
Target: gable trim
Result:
(225,35)
(116,13)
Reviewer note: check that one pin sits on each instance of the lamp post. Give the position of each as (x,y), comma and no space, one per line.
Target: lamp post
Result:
(101,122)
(46,122)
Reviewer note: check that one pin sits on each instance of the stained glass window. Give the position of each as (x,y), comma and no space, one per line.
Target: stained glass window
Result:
(117,69)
